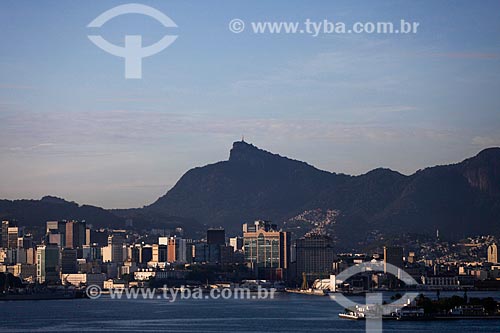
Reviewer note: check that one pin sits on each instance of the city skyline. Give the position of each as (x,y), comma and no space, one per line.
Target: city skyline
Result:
(72,126)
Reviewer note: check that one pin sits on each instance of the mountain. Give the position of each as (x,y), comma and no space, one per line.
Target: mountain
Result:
(37,212)
(458,199)
(252,184)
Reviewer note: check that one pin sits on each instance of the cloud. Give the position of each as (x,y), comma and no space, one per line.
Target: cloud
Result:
(485,141)
(467,55)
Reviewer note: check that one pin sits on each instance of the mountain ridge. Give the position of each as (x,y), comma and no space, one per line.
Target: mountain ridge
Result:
(458,199)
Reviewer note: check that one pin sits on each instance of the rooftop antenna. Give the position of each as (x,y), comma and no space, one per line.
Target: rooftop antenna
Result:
(242,138)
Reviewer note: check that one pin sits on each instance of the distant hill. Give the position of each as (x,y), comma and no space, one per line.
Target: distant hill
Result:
(458,199)
(37,212)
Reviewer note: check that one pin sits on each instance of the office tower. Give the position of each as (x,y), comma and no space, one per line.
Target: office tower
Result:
(314,255)
(393,255)
(493,253)
(216,236)
(159,253)
(115,243)
(75,234)
(25,242)
(48,264)
(266,249)
(68,261)
(12,236)
(146,254)
(178,250)
(172,249)
(56,227)
(236,243)
(56,233)
(182,251)
(411,258)
(5,234)
(163,240)
(88,233)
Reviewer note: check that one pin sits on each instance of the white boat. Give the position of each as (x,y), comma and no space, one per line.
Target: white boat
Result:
(352,315)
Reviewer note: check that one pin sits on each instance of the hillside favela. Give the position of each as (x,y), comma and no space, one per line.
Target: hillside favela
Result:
(250,166)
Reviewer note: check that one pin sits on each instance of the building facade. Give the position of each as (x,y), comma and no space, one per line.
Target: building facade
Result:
(493,254)
(266,250)
(314,256)
(48,263)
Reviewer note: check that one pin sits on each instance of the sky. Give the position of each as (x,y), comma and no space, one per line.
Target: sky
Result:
(71,124)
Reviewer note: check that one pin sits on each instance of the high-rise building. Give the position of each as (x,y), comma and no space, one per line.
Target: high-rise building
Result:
(159,253)
(68,261)
(4,236)
(314,255)
(146,254)
(266,250)
(236,243)
(163,240)
(393,255)
(411,258)
(178,250)
(115,242)
(56,233)
(493,253)
(48,264)
(56,226)
(88,233)
(25,241)
(75,234)
(12,236)
(216,236)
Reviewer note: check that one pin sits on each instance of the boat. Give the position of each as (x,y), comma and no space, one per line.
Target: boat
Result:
(352,315)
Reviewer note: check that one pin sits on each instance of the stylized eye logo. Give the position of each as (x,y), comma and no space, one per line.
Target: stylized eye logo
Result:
(133,52)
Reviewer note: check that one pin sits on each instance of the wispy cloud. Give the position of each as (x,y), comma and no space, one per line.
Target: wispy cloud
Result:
(467,55)
(16,87)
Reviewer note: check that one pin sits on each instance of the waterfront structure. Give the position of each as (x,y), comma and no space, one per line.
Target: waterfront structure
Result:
(23,271)
(314,255)
(443,282)
(493,254)
(266,250)
(48,264)
(86,279)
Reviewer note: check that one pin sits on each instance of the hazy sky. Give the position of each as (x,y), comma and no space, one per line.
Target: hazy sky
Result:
(72,126)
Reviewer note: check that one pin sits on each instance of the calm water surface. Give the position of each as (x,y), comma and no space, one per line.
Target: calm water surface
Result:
(285,313)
